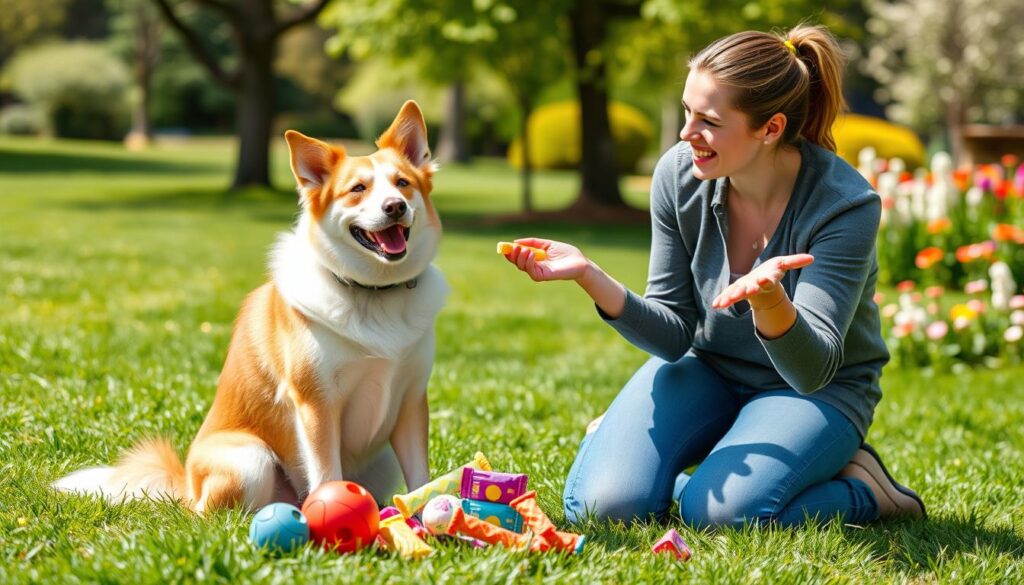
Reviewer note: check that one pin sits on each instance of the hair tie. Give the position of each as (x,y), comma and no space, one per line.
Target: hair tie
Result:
(789,45)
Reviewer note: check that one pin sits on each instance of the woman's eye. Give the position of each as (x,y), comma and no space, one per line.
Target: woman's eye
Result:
(359,188)
(402,183)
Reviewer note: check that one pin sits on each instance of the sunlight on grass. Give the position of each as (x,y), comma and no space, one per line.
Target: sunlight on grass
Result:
(120,276)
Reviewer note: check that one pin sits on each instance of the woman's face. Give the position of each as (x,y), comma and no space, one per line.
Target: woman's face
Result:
(719,135)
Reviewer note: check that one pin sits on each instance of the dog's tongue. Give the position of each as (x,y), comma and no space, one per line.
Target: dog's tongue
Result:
(392,240)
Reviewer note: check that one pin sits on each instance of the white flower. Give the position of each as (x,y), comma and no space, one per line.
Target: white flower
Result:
(974,196)
(1017,318)
(1003,285)
(1013,334)
(937,330)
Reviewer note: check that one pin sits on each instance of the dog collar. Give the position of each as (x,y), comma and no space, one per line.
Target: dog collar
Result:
(353,284)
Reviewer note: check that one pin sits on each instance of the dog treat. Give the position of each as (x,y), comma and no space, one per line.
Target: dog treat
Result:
(497,514)
(417,527)
(402,539)
(507,247)
(463,523)
(449,483)
(672,542)
(540,525)
(492,486)
(437,513)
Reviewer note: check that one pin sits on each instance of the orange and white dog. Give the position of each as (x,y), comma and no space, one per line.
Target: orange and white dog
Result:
(326,374)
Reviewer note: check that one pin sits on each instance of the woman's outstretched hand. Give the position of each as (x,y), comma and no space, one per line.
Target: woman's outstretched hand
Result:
(761,287)
(563,262)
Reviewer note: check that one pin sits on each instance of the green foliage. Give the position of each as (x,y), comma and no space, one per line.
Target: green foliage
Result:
(111,263)
(26,21)
(80,86)
(853,133)
(21,120)
(554,131)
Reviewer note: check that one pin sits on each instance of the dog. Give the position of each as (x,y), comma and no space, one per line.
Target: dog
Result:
(326,373)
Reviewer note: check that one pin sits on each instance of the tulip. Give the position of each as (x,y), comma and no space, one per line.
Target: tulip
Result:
(928,257)
(937,330)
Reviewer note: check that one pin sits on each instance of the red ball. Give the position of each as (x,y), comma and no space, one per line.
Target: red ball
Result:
(342,516)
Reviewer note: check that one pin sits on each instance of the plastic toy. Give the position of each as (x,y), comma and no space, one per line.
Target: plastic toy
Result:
(417,527)
(449,483)
(279,527)
(673,543)
(542,526)
(507,247)
(342,516)
(497,514)
(437,513)
(402,539)
(492,486)
(463,523)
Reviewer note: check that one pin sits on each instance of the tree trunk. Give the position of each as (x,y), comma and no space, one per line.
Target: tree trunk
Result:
(671,121)
(255,115)
(598,168)
(452,145)
(526,107)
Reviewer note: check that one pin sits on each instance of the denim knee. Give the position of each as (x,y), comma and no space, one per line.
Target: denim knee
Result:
(704,506)
(604,501)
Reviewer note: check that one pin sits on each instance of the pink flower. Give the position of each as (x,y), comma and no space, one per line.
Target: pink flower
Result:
(890,310)
(1017,302)
(937,330)
(976,286)
(1013,334)
(934,292)
(1017,317)
(961,323)
(879,297)
(933,308)
(976,305)
(903,329)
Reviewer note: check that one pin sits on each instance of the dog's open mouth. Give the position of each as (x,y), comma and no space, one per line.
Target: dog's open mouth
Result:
(390,243)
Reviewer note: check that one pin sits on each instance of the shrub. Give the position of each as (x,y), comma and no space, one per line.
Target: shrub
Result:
(21,120)
(555,136)
(80,87)
(853,133)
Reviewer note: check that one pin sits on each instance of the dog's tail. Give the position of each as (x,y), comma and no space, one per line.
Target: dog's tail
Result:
(151,469)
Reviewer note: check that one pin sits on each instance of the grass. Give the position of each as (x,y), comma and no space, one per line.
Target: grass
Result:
(120,275)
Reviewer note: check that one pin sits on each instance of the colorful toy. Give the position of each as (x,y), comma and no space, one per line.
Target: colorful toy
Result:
(506,248)
(497,514)
(462,523)
(449,483)
(492,486)
(437,513)
(342,516)
(417,527)
(673,543)
(279,527)
(402,539)
(542,526)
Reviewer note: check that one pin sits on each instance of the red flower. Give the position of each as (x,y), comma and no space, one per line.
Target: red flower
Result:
(905,286)
(1005,232)
(938,226)
(1009,160)
(928,257)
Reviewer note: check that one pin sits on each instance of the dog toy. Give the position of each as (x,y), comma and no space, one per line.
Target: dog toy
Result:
(462,523)
(417,527)
(400,537)
(492,486)
(497,514)
(342,516)
(437,513)
(506,248)
(449,483)
(279,527)
(542,527)
(673,543)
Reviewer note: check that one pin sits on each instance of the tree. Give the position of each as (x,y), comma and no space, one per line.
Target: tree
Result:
(138,28)
(24,21)
(257,26)
(948,63)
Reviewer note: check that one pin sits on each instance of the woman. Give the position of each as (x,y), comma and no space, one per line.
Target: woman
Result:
(758,310)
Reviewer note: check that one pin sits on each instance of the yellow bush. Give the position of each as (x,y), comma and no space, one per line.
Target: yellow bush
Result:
(555,136)
(853,133)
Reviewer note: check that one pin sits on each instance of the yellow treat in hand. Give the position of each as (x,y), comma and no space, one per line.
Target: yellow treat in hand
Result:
(507,247)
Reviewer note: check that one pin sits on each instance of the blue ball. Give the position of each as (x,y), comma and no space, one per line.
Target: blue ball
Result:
(279,527)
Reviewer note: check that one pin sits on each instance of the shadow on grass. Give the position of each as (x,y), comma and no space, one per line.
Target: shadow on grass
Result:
(16,161)
(919,547)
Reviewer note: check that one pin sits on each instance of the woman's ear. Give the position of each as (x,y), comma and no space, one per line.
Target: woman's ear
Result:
(774,128)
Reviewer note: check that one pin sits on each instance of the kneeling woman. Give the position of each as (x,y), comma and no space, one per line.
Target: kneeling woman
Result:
(758,310)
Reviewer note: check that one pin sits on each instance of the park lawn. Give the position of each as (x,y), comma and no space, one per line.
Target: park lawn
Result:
(120,275)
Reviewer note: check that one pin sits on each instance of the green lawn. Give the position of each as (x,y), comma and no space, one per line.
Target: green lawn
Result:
(120,275)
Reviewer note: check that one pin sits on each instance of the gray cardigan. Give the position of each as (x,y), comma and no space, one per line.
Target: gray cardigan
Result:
(834,351)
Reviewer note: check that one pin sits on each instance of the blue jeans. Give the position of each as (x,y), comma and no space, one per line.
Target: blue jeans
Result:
(764,455)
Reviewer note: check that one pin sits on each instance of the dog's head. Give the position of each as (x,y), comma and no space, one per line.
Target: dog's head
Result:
(371,218)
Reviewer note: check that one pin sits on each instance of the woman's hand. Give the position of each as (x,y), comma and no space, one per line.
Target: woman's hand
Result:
(761,286)
(563,262)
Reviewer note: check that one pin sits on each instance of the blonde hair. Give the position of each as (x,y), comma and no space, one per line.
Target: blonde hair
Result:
(799,74)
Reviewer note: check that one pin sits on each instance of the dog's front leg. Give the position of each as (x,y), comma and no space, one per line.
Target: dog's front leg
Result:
(318,426)
(409,438)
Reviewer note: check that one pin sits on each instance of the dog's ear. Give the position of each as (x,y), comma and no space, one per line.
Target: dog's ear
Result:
(312,160)
(408,135)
